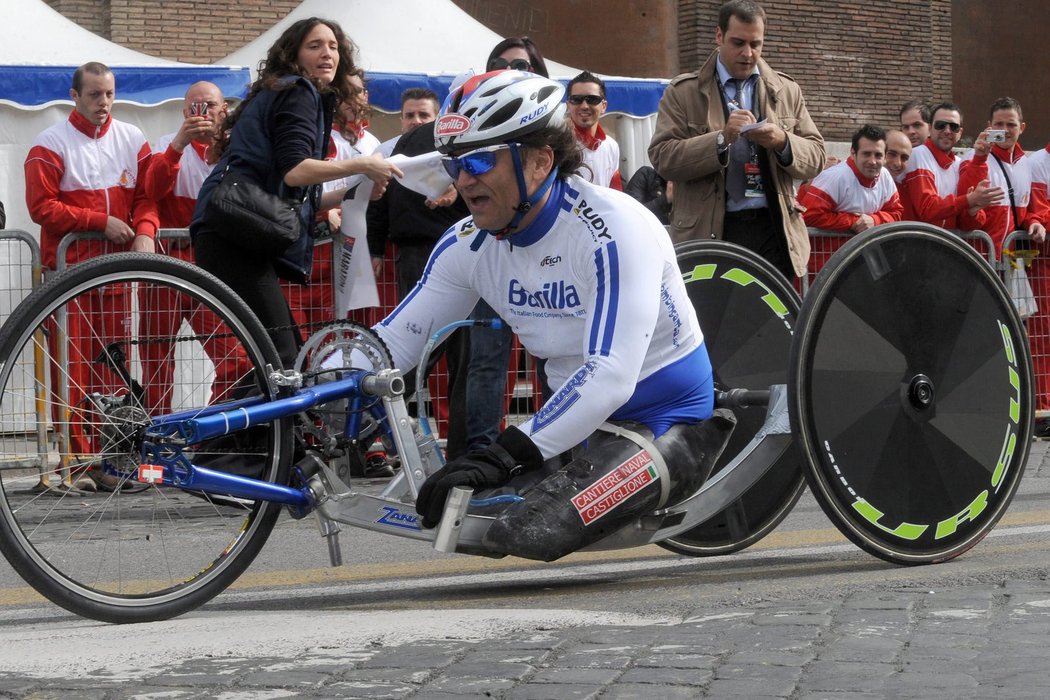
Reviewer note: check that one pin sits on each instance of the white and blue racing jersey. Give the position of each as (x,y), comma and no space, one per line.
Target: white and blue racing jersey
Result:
(592,286)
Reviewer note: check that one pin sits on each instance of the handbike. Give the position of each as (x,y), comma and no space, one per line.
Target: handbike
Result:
(906,407)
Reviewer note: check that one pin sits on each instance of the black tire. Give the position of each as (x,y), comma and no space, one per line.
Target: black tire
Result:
(127,555)
(911,393)
(747,311)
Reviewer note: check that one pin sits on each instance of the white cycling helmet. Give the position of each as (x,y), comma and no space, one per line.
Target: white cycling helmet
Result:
(497,107)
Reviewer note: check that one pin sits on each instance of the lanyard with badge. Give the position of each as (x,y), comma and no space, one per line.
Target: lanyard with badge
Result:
(748,159)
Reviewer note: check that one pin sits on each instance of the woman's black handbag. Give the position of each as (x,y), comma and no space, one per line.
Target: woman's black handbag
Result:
(244,213)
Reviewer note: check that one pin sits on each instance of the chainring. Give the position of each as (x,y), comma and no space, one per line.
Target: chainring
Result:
(323,357)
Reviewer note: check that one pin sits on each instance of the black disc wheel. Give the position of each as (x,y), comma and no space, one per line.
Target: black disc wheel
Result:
(89,361)
(747,312)
(911,393)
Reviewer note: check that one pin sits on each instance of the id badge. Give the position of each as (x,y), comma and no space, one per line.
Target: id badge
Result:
(753,180)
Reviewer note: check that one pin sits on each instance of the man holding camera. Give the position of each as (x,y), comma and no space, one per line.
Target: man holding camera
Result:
(998,158)
(173,179)
(931,178)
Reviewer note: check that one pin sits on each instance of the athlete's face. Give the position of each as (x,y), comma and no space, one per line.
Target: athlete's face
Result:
(493,197)
(95,98)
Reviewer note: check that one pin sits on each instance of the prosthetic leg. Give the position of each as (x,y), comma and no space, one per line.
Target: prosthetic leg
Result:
(621,475)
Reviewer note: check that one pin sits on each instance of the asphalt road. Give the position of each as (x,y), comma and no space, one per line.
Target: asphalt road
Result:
(801,614)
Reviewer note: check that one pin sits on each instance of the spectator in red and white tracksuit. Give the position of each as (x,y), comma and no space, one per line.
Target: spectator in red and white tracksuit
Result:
(1005,166)
(1024,208)
(855,195)
(601,154)
(931,180)
(174,178)
(1038,326)
(86,174)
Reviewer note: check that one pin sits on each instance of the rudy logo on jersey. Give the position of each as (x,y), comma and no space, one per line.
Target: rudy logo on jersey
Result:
(590,217)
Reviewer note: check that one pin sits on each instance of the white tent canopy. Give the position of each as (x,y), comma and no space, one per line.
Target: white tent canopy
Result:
(407,43)
(40,49)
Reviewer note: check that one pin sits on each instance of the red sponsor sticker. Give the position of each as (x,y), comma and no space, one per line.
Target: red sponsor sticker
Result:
(151,473)
(615,487)
(451,125)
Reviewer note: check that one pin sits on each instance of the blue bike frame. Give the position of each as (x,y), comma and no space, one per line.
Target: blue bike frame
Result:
(166,435)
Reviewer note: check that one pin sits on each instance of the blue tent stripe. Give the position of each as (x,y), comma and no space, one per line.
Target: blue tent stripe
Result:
(638,98)
(33,86)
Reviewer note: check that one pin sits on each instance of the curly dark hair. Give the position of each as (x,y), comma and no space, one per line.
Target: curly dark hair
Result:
(282,61)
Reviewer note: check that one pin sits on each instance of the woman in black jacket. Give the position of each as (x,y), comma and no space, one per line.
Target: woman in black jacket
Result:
(277,138)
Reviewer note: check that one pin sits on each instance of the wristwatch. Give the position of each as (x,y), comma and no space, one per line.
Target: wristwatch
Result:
(720,142)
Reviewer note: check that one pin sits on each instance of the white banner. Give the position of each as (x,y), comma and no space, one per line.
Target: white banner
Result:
(355,283)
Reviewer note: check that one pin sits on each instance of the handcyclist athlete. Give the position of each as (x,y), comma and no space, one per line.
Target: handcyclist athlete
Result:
(587,278)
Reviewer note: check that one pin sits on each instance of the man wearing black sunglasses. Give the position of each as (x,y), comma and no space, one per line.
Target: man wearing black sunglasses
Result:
(601,154)
(932,177)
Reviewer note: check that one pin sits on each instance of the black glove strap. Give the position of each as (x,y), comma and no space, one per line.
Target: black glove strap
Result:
(520,448)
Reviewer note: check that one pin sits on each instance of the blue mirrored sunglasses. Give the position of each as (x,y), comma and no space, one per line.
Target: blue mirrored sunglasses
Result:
(476,162)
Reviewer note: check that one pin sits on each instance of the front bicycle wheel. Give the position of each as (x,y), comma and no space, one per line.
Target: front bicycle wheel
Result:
(89,359)
(911,393)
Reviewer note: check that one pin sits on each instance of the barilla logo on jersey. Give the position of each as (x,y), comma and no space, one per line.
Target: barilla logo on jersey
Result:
(451,125)
(613,489)
(553,295)
(537,113)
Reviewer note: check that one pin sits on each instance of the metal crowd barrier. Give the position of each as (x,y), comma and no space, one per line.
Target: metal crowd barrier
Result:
(24,432)
(823,245)
(314,305)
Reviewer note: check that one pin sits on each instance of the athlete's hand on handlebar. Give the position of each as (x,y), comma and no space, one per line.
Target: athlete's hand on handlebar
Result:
(512,453)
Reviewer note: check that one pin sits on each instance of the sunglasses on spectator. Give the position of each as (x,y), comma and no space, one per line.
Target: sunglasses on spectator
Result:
(941,126)
(476,162)
(592,100)
(516,64)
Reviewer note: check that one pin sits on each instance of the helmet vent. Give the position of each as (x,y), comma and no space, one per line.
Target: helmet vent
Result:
(502,115)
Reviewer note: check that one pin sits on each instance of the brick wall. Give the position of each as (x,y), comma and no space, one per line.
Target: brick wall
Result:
(194,31)
(92,15)
(856,60)
(628,37)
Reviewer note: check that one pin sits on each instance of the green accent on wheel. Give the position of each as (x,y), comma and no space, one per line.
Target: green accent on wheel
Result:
(745,278)
(1009,445)
(951,525)
(701,272)
(906,531)
(1015,404)
(1008,341)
